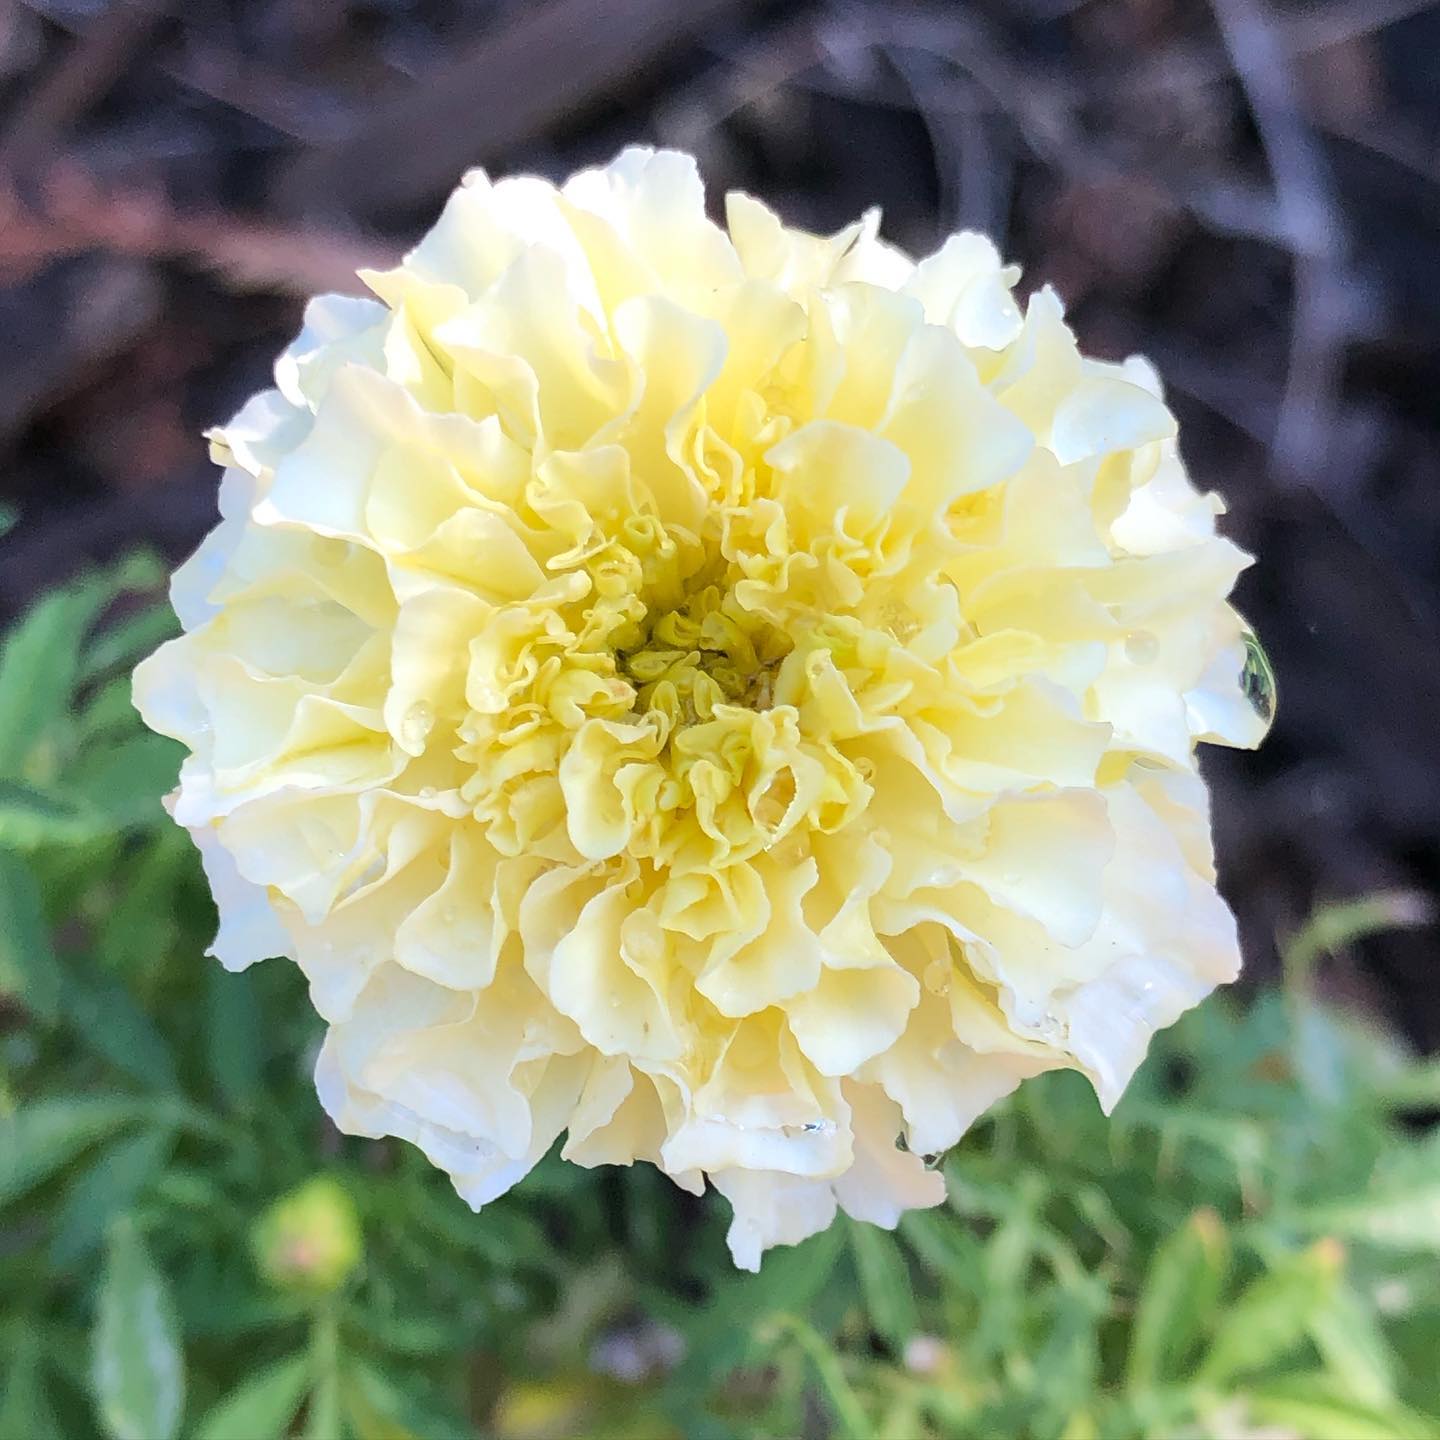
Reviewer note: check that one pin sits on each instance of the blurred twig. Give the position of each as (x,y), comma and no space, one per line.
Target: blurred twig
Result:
(242,82)
(92,65)
(74,213)
(1302,32)
(542,66)
(1314,230)
(1337,925)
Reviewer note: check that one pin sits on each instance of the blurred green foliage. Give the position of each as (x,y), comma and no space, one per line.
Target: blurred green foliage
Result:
(187,1247)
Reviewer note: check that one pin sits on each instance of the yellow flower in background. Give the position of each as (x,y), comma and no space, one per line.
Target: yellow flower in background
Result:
(725,695)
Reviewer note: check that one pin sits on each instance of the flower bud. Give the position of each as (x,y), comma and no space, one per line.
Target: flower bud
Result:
(309,1241)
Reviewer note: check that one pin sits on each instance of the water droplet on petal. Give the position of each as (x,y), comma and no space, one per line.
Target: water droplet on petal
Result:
(937,977)
(1257,679)
(415,725)
(1142,647)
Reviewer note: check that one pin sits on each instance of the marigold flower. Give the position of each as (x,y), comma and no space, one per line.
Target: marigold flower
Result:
(727,695)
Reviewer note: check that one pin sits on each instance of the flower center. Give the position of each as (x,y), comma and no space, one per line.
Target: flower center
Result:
(635,709)
(700,654)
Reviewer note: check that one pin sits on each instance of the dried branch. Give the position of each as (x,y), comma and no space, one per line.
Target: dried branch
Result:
(545,65)
(78,82)
(74,214)
(1314,228)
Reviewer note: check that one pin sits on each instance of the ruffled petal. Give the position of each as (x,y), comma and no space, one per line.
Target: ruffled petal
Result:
(725,695)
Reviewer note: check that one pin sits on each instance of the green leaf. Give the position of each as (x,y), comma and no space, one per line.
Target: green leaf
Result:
(1081,1426)
(234,1045)
(719,1338)
(1401,1211)
(1273,1314)
(148,910)
(1008,1255)
(108,1021)
(31,818)
(1349,1337)
(1066,1363)
(27,963)
(38,665)
(261,1407)
(1179,1298)
(1417,1086)
(884,1283)
(381,1409)
(123,782)
(40,1139)
(129,640)
(789,1277)
(115,1180)
(137,1368)
(1316,1405)
(108,708)
(851,1422)
(947,1249)
(1333,926)
(25,1412)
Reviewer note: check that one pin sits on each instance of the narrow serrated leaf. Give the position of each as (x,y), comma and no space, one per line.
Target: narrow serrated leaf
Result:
(234,1042)
(123,783)
(884,1283)
(38,663)
(107,1020)
(1349,1336)
(1179,1298)
(27,962)
(25,1410)
(137,1368)
(1317,1405)
(839,1396)
(40,1139)
(128,640)
(31,818)
(1400,1218)
(115,1178)
(1273,1314)
(261,1407)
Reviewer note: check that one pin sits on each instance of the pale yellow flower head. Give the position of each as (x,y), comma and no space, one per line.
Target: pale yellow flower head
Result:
(725,695)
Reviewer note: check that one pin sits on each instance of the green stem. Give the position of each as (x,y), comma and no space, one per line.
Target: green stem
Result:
(323,1421)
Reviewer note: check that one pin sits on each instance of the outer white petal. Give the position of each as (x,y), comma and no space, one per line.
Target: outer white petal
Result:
(772,1208)
(1168,936)
(885,1181)
(338,330)
(941,1084)
(249,928)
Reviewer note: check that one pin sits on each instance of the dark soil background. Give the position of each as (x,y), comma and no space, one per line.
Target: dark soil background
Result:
(1248,192)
